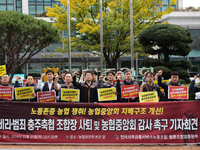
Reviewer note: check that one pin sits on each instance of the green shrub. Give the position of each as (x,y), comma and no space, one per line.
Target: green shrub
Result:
(187,80)
(183,74)
(182,81)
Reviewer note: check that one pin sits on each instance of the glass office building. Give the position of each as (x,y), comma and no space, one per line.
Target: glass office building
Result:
(11,5)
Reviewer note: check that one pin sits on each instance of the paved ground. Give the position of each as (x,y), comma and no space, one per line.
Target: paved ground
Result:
(86,147)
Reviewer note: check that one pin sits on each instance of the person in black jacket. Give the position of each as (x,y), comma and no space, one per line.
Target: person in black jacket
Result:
(62,81)
(149,85)
(109,84)
(29,82)
(195,88)
(127,81)
(174,82)
(88,92)
(5,82)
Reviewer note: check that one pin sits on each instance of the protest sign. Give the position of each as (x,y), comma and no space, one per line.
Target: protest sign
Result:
(46,96)
(2,70)
(107,94)
(70,94)
(100,123)
(24,93)
(148,96)
(177,92)
(129,90)
(6,92)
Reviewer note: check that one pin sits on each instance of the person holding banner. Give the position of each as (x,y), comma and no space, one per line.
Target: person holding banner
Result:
(63,73)
(5,82)
(149,85)
(195,88)
(174,82)
(87,89)
(68,84)
(29,82)
(109,84)
(50,85)
(127,81)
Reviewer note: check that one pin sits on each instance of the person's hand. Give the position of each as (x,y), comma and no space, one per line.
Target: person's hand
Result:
(55,97)
(132,98)
(118,77)
(42,76)
(143,84)
(75,73)
(195,77)
(83,72)
(71,101)
(100,78)
(33,94)
(180,99)
(116,93)
(8,99)
(56,77)
(18,78)
(160,73)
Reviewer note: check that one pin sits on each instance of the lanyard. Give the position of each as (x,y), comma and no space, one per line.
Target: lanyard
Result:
(51,86)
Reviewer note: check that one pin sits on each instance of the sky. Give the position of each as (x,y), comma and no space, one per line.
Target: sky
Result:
(194,3)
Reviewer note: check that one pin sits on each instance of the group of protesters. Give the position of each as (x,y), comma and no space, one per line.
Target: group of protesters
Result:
(88,84)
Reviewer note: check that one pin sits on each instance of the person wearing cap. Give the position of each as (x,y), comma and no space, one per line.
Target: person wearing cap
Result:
(195,88)
(149,85)
(62,80)
(174,82)
(127,81)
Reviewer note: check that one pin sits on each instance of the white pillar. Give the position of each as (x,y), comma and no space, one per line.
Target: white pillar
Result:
(25,7)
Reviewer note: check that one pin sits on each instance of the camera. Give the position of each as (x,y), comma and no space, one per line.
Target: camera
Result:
(198,75)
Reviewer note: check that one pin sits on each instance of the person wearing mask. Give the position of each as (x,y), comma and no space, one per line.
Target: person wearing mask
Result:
(127,81)
(174,82)
(29,82)
(149,86)
(88,92)
(62,80)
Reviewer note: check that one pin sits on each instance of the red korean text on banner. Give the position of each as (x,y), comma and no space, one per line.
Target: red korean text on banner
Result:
(46,96)
(116,81)
(177,92)
(35,81)
(129,90)
(99,123)
(6,92)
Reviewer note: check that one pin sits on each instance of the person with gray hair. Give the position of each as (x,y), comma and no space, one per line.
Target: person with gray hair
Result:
(127,81)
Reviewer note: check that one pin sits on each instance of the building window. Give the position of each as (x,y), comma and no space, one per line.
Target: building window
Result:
(9,5)
(37,7)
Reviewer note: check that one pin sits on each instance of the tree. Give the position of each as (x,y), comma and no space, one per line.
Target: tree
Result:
(168,39)
(23,36)
(85,24)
